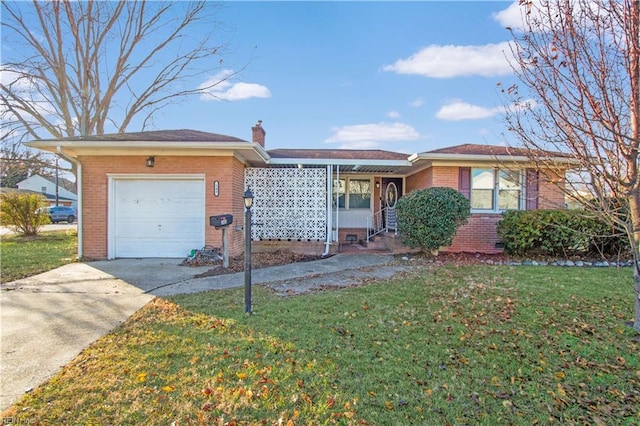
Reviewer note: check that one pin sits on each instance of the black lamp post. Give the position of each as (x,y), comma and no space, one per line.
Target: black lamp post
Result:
(248,202)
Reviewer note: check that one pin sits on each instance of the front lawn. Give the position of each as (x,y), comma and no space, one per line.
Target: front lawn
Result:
(27,256)
(453,345)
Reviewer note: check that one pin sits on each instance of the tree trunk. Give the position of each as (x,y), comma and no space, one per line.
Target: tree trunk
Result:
(636,279)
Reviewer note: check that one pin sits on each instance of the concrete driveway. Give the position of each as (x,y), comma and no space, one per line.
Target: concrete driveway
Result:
(48,319)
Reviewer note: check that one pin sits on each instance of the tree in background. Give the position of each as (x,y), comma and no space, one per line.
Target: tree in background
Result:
(79,67)
(18,163)
(429,218)
(24,212)
(578,66)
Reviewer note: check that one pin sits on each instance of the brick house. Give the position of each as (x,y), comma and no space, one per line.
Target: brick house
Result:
(150,194)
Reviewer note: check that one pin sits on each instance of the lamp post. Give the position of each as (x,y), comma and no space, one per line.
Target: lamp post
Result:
(248,202)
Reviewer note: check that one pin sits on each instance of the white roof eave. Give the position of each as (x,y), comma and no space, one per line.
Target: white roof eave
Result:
(76,148)
(425,156)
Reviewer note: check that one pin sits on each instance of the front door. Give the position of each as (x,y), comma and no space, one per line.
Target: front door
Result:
(391,191)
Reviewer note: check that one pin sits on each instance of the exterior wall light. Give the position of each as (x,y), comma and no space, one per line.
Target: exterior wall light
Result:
(151,161)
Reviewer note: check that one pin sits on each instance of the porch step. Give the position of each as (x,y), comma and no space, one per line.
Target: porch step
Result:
(374,244)
(393,243)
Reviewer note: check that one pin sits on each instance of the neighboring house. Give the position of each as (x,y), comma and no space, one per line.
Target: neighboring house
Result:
(48,197)
(46,187)
(150,194)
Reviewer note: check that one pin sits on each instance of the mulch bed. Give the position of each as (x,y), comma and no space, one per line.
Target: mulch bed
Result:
(258,260)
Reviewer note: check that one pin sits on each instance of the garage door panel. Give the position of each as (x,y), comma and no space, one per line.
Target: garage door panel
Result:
(158,218)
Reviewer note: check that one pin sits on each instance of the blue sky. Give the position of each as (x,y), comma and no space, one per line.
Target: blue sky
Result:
(399,76)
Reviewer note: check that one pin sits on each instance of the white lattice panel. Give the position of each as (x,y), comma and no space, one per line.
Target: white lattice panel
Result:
(288,204)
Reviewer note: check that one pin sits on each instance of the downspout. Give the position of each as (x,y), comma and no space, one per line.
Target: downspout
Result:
(79,188)
(329,212)
(338,204)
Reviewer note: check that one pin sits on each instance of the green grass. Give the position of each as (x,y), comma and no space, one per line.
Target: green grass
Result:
(26,256)
(454,345)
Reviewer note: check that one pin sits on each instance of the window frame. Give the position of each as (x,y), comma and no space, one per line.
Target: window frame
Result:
(496,189)
(347,192)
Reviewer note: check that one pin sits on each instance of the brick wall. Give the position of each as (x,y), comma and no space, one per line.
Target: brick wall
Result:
(478,235)
(550,193)
(343,232)
(422,179)
(228,171)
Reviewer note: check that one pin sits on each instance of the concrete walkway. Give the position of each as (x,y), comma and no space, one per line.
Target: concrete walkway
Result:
(48,319)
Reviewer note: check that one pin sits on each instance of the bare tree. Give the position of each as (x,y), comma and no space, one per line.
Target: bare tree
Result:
(578,64)
(78,67)
(17,163)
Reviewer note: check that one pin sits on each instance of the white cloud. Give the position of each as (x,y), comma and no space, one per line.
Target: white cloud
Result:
(417,103)
(220,87)
(512,16)
(362,136)
(456,61)
(458,110)
(393,114)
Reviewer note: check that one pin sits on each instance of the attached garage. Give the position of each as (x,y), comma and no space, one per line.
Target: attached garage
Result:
(155,216)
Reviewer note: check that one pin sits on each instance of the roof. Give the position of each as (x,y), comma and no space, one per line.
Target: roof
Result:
(475,149)
(183,135)
(347,160)
(156,143)
(195,143)
(5,190)
(489,153)
(337,154)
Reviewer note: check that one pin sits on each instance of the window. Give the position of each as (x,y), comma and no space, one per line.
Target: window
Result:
(496,190)
(353,193)
(359,193)
(340,188)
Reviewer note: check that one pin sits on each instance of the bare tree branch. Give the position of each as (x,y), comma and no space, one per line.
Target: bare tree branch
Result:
(579,60)
(83,65)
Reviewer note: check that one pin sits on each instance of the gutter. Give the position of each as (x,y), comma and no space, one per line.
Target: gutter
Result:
(61,153)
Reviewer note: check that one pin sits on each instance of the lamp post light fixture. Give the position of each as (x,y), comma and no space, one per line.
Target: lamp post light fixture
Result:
(248,202)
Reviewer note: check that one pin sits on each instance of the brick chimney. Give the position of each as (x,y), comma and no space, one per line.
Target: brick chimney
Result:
(258,133)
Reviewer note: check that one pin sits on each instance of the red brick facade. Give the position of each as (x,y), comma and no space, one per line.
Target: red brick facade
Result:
(479,233)
(228,171)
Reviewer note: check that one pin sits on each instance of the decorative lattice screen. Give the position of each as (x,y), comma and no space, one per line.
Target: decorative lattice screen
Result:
(288,204)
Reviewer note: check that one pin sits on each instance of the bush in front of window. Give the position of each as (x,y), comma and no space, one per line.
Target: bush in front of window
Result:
(429,218)
(558,233)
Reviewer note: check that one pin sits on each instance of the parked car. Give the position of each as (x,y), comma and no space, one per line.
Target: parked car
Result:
(61,214)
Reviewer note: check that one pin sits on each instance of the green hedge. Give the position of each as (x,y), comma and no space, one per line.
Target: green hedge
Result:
(428,218)
(558,233)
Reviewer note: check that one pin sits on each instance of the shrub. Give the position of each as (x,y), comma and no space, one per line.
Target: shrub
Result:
(23,212)
(429,218)
(557,233)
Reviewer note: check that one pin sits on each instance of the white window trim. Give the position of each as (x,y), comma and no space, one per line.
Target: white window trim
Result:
(346,193)
(496,189)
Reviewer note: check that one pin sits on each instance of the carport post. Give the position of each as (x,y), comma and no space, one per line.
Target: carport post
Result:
(225,248)
(248,201)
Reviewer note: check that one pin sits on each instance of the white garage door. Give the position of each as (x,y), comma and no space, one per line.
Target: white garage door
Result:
(157,218)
